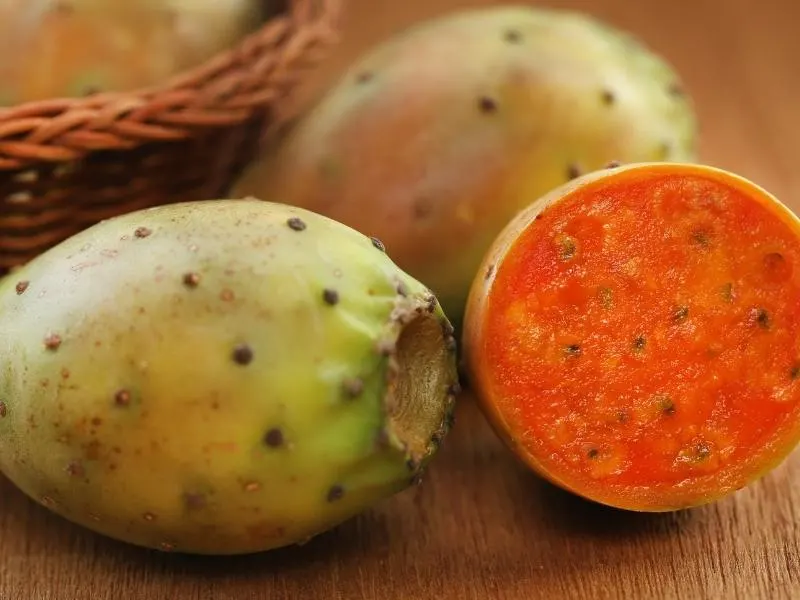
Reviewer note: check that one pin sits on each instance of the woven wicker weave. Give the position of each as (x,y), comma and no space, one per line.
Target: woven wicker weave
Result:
(67,164)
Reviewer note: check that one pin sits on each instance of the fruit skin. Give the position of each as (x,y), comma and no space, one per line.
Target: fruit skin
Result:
(70,48)
(435,138)
(473,335)
(219,377)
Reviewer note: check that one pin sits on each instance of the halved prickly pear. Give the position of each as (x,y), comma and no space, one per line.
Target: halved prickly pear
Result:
(633,336)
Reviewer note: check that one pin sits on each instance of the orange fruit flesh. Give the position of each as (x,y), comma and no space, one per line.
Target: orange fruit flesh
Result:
(642,338)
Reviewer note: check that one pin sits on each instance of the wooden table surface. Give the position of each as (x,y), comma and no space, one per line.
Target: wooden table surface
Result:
(481,526)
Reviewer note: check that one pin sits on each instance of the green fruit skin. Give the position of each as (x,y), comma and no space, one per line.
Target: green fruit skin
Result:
(144,420)
(70,48)
(435,138)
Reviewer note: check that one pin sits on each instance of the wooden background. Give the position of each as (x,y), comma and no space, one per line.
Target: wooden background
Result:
(481,527)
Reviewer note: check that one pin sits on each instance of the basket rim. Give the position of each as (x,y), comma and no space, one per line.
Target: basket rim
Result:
(210,95)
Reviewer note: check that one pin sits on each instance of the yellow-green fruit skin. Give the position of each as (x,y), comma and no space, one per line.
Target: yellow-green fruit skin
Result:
(216,377)
(435,138)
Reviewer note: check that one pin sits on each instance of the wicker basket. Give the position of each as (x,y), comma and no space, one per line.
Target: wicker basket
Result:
(66,164)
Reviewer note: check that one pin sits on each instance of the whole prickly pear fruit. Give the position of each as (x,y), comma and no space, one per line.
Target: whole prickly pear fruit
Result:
(70,48)
(219,377)
(433,140)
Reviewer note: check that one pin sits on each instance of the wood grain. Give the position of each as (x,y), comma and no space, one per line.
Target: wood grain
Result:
(480,526)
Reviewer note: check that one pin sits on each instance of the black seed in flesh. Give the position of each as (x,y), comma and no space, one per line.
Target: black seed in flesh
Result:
(606,297)
(487,105)
(378,244)
(727,292)
(665,404)
(353,387)
(701,238)
(593,453)
(142,232)
(122,398)
(762,318)
(680,314)
(274,438)
(794,373)
(296,223)
(335,493)
(702,450)
(573,350)
(243,354)
(639,342)
(773,261)
(566,247)
(331,297)
(21,287)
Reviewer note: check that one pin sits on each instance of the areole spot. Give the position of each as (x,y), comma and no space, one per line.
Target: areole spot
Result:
(608,97)
(676,89)
(335,493)
(574,171)
(122,398)
(243,354)
(148,516)
(489,272)
(487,105)
(378,244)
(364,77)
(142,232)
(191,280)
(613,164)
(52,341)
(512,36)
(194,501)
(353,387)
(4,409)
(402,289)
(21,287)
(331,297)
(274,438)
(75,469)
(296,223)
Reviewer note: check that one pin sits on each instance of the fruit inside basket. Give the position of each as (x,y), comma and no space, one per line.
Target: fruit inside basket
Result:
(109,107)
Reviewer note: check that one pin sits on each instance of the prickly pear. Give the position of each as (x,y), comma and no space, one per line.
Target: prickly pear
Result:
(70,48)
(219,377)
(434,139)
